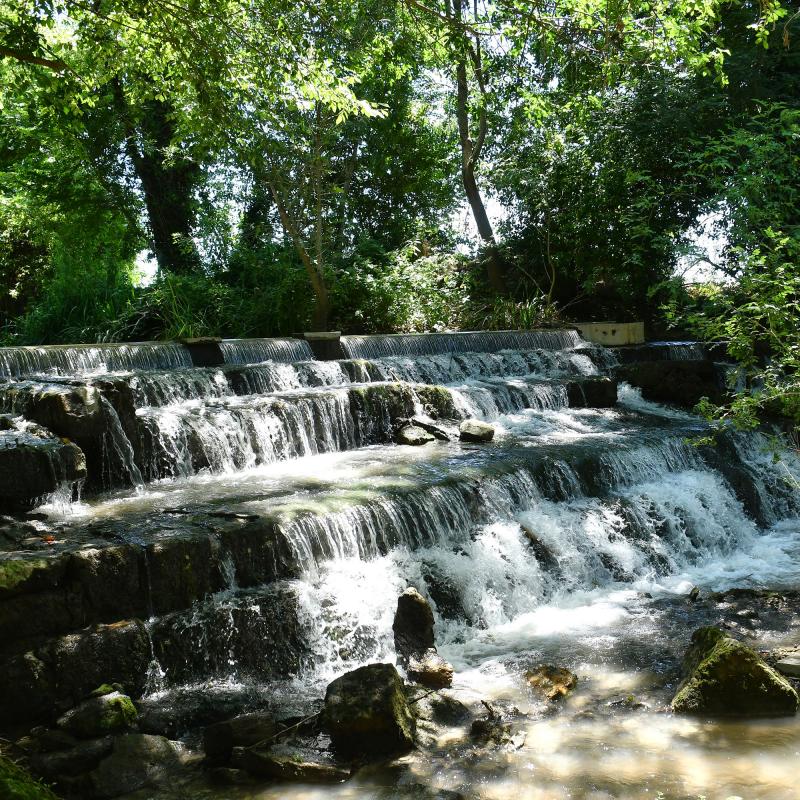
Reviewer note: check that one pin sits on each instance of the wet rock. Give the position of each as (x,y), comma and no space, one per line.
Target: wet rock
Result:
(75,412)
(435,430)
(137,760)
(244,731)
(430,669)
(473,430)
(414,642)
(61,672)
(366,712)
(229,776)
(592,392)
(491,730)
(420,791)
(286,763)
(725,677)
(694,595)
(790,666)
(682,383)
(33,468)
(258,629)
(544,555)
(98,716)
(445,594)
(81,757)
(413,435)
(628,702)
(413,625)
(551,683)
(437,401)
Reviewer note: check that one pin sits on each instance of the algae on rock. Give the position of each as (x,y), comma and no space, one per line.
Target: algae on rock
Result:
(725,677)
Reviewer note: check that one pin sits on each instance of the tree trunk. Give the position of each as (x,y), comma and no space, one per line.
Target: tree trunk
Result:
(322,305)
(471,148)
(167,186)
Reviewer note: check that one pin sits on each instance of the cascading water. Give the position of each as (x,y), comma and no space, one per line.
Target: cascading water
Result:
(417,344)
(77,360)
(254,351)
(275,525)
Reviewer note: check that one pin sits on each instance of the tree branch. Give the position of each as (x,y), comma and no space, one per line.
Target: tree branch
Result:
(29,58)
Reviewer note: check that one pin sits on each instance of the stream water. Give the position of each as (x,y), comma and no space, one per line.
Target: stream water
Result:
(573,539)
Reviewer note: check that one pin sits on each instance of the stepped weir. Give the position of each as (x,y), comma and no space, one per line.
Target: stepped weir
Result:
(226,538)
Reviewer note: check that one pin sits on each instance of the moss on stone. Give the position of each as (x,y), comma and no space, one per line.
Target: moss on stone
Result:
(120,713)
(438,401)
(725,677)
(17,784)
(15,571)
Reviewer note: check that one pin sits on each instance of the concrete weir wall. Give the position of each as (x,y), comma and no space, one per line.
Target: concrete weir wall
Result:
(612,334)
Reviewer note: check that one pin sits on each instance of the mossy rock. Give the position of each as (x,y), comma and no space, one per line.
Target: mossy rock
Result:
(726,678)
(367,713)
(99,716)
(17,784)
(15,573)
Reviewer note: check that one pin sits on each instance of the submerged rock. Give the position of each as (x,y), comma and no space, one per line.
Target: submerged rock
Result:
(473,430)
(725,677)
(285,763)
(413,435)
(366,712)
(220,738)
(99,716)
(435,430)
(550,682)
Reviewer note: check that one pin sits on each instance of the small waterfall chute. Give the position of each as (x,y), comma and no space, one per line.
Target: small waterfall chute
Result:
(417,344)
(256,351)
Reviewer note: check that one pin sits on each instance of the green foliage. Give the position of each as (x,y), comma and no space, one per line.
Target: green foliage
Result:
(755,169)
(17,784)
(399,291)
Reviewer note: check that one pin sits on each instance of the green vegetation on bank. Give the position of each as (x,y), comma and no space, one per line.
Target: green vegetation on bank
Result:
(17,784)
(288,166)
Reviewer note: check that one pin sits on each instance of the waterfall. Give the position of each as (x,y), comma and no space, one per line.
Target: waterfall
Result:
(416,344)
(87,359)
(255,351)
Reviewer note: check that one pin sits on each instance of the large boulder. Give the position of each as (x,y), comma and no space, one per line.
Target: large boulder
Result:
(75,760)
(98,716)
(473,430)
(366,712)
(137,760)
(60,672)
(725,677)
